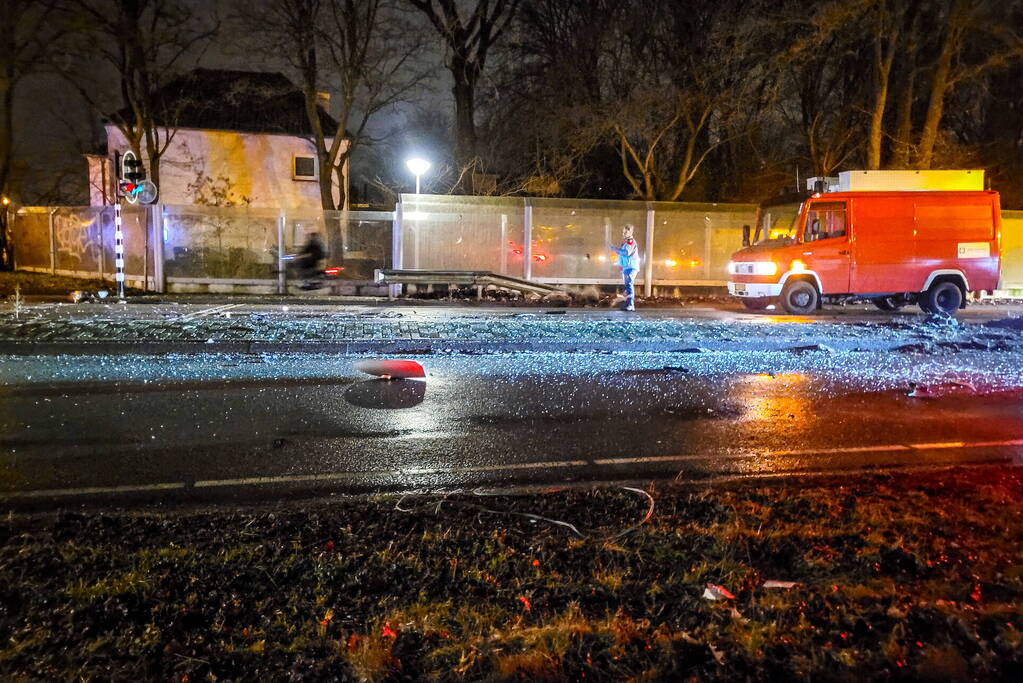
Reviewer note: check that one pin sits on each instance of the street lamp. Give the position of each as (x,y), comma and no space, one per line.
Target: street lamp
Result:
(418,167)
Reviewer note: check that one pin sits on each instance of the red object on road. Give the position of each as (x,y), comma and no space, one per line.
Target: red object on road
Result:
(392,369)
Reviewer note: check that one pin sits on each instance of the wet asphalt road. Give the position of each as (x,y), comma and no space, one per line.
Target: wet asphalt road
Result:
(262,426)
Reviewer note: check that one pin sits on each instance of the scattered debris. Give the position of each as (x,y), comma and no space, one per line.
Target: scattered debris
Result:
(784,585)
(392,369)
(941,389)
(716,592)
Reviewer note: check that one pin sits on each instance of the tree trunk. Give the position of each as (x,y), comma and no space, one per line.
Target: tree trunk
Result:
(876,134)
(884,55)
(939,89)
(6,144)
(904,119)
(325,177)
(6,130)
(465,105)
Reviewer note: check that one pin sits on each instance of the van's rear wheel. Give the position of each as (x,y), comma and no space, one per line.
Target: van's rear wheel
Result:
(943,298)
(889,303)
(799,297)
(756,303)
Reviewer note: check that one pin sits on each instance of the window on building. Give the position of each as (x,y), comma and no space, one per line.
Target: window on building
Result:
(304,168)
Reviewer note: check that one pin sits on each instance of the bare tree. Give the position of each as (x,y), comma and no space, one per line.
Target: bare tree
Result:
(140,45)
(670,103)
(27,40)
(469,31)
(361,48)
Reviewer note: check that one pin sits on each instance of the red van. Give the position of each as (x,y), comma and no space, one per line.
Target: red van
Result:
(892,248)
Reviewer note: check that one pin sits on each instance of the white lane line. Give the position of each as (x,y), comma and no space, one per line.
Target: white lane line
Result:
(87,490)
(941,444)
(850,449)
(337,476)
(291,478)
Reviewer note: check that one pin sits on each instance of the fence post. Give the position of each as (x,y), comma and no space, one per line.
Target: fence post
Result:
(504,244)
(708,232)
(159,280)
(648,266)
(102,260)
(527,241)
(397,245)
(282,286)
(53,245)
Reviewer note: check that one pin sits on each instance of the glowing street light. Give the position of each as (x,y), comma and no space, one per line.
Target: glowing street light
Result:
(418,166)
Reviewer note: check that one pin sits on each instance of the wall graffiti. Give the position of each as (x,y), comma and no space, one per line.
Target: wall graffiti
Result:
(77,236)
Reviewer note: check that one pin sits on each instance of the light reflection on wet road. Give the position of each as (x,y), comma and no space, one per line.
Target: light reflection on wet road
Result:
(198,423)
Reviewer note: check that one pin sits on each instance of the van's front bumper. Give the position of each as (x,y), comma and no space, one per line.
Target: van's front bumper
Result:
(754,290)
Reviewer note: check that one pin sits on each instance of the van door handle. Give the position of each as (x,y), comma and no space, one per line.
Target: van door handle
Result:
(843,253)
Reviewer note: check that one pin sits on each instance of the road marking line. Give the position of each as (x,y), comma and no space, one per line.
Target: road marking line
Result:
(335,476)
(851,449)
(131,488)
(286,478)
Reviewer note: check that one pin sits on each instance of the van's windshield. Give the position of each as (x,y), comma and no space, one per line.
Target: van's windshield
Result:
(777,223)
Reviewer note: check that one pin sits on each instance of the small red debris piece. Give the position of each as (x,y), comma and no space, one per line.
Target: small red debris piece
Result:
(716,592)
(330,546)
(388,632)
(525,603)
(393,369)
(536,563)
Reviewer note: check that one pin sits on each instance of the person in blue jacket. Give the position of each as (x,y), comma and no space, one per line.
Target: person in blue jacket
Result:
(628,261)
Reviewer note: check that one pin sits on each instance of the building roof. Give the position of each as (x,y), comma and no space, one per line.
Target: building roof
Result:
(243,101)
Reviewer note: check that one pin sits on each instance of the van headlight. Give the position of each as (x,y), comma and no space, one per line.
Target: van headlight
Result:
(731,267)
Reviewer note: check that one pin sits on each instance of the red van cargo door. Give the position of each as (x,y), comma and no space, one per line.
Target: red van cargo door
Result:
(884,244)
(826,245)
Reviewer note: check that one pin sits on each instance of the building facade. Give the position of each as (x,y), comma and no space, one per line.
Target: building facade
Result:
(236,138)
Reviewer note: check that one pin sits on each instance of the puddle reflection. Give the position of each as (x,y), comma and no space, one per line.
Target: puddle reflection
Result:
(386,394)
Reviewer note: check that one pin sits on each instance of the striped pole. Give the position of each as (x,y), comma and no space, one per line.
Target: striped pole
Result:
(119,251)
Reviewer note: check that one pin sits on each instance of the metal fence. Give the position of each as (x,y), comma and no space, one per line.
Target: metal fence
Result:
(566,241)
(557,241)
(192,248)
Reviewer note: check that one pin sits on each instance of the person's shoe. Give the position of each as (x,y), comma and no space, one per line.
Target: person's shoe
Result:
(630,307)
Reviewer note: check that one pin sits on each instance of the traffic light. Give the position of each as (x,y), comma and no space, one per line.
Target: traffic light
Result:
(132,174)
(134,171)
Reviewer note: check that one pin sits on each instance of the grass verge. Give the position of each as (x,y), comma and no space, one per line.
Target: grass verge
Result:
(906,576)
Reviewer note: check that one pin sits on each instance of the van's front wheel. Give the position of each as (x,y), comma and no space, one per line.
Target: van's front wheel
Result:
(799,297)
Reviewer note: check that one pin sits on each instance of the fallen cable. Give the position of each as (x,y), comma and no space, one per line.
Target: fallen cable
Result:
(646,518)
(529,515)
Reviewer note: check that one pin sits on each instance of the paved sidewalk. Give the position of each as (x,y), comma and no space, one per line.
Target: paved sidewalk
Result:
(250,328)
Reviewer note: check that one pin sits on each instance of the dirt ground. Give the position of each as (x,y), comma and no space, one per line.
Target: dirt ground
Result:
(43,283)
(907,576)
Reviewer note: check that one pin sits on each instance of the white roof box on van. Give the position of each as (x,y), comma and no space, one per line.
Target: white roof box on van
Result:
(909,181)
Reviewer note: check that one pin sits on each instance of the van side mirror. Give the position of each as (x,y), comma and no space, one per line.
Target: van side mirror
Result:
(745,235)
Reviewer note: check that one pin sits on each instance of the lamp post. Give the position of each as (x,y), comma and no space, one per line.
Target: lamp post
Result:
(418,167)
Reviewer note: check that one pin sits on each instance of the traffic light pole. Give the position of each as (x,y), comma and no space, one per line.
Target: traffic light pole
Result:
(118,249)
